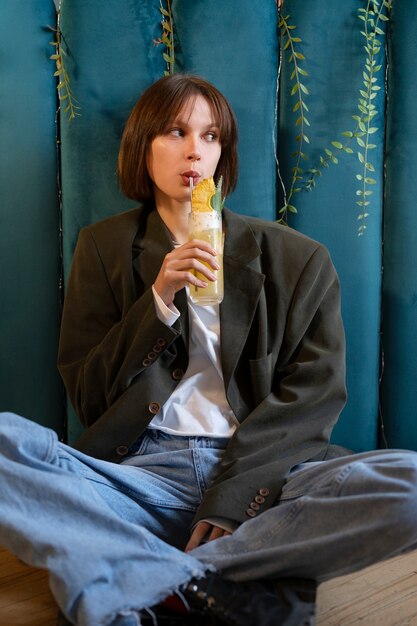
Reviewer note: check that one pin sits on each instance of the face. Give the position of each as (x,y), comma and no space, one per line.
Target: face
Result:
(189,148)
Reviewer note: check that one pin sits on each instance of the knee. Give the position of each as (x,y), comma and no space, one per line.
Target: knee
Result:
(21,438)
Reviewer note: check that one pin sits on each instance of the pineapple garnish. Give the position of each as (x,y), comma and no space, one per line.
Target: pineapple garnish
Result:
(206,196)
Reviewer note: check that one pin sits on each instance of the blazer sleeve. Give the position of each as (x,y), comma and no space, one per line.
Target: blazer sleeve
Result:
(293,423)
(104,345)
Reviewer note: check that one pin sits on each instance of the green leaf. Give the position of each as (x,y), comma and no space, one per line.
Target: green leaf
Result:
(291,208)
(370,181)
(287,45)
(361,157)
(348,150)
(167,58)
(296,106)
(299,55)
(348,133)
(299,120)
(302,72)
(327,151)
(337,145)
(304,89)
(306,139)
(164,11)
(370,167)
(217,201)
(166,26)
(294,89)
(359,176)
(361,142)
(372,130)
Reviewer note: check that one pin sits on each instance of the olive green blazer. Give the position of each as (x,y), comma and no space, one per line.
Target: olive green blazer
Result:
(282,349)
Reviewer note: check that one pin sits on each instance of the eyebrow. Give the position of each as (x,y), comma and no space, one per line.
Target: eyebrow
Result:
(179,120)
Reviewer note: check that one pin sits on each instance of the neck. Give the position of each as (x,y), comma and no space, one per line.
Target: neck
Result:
(176,220)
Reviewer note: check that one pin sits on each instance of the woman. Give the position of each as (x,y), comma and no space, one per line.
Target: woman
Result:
(206,426)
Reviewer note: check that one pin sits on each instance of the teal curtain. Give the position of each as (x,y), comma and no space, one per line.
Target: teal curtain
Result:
(112,56)
(399,311)
(333,47)
(29,216)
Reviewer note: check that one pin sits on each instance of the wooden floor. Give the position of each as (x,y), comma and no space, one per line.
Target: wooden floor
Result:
(381,595)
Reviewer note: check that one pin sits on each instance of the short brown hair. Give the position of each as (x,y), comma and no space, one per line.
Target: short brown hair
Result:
(156,108)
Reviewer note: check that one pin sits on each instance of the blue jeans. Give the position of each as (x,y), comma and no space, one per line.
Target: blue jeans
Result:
(112,536)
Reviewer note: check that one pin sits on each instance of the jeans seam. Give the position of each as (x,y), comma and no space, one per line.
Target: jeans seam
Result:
(341,478)
(198,472)
(51,453)
(134,496)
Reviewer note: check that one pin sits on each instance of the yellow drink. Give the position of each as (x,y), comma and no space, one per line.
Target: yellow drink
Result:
(207,226)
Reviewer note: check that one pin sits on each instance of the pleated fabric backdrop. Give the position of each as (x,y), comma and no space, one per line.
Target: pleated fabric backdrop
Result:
(111,60)
(29,217)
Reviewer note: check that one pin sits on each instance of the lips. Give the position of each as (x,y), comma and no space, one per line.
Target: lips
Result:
(194,174)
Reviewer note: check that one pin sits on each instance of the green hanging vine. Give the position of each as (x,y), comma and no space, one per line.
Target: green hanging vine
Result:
(298,90)
(376,11)
(167,38)
(64,86)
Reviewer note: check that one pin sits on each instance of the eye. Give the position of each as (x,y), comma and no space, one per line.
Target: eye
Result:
(176,132)
(211,136)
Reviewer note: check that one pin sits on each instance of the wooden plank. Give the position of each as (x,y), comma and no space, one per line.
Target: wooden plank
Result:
(25,598)
(384,594)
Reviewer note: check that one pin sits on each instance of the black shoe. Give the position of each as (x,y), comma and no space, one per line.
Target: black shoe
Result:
(216,601)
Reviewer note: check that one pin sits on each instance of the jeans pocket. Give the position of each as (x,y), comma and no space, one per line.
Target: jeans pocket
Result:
(139,447)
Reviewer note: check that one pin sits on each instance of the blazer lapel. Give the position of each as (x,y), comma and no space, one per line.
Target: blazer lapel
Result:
(152,243)
(242,287)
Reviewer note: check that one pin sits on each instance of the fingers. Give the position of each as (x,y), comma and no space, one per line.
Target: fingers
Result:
(205,532)
(197,536)
(192,263)
(196,250)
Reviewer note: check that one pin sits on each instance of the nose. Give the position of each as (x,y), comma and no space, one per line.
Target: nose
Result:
(193,152)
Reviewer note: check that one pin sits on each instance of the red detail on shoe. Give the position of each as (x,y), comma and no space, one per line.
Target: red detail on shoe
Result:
(175,604)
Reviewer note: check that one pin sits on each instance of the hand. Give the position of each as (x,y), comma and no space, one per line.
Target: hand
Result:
(176,268)
(205,532)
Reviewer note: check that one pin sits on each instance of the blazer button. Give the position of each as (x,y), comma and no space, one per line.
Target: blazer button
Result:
(254,506)
(250,512)
(161,342)
(263,492)
(157,348)
(177,374)
(122,450)
(152,356)
(259,499)
(154,408)
(146,362)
